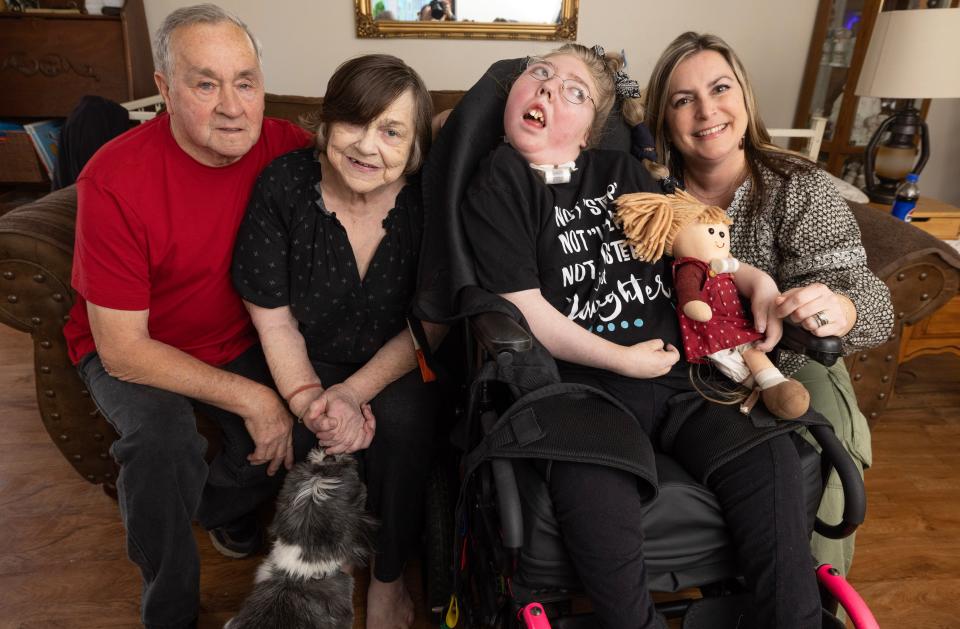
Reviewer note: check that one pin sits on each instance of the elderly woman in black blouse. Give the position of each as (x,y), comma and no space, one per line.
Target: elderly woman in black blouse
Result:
(326,262)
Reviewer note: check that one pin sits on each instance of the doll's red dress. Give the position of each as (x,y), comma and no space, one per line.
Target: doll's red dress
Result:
(729,326)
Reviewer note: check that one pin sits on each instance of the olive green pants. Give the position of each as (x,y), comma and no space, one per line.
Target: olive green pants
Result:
(831,395)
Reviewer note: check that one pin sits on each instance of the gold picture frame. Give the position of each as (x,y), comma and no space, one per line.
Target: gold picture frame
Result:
(564,29)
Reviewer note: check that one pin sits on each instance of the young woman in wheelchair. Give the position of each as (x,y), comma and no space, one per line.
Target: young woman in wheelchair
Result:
(539,217)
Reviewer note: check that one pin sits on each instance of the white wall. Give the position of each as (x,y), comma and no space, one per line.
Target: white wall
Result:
(940,178)
(305,40)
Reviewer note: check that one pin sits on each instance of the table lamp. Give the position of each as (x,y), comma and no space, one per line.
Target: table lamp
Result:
(912,54)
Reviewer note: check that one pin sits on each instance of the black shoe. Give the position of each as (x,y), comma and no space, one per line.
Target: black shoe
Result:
(239,539)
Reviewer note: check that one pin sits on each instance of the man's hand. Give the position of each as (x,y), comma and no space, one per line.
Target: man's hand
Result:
(648,359)
(271,428)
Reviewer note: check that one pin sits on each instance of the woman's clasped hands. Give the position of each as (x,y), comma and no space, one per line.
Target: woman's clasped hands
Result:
(342,423)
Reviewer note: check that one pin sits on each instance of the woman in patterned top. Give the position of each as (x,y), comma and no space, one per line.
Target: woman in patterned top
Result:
(326,261)
(790,221)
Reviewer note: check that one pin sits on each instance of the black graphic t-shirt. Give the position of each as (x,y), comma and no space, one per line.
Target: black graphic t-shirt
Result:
(293,251)
(562,239)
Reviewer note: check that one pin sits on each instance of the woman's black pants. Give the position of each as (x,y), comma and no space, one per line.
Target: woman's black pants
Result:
(599,510)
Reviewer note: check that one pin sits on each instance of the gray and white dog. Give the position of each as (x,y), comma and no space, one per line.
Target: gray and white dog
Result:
(320,527)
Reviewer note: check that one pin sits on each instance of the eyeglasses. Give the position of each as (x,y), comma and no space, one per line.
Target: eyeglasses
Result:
(573,90)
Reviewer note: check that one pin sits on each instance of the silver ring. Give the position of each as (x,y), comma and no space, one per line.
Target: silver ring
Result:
(821,318)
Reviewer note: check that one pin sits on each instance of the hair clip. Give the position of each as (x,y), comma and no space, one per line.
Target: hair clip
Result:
(625,86)
(669,185)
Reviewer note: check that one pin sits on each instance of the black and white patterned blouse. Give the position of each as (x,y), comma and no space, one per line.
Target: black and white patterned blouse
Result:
(808,234)
(291,250)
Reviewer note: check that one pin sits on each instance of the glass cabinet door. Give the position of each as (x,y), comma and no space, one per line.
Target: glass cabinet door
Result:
(841,36)
(845,21)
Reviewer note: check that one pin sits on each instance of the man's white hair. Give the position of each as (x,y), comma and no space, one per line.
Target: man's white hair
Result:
(187,16)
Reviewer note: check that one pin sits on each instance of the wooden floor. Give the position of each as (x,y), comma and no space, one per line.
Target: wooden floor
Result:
(63,564)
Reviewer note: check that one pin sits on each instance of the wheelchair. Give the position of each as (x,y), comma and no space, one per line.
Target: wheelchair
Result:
(505,549)
(510,552)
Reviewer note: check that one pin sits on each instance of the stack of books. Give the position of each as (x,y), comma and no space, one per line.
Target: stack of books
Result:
(29,151)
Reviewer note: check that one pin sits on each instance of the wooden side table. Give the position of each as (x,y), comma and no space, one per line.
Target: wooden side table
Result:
(940,332)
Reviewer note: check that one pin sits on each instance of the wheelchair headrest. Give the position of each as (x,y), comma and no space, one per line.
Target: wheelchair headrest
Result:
(473,130)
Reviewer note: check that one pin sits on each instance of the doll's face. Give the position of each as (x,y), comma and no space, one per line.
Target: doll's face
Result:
(703,241)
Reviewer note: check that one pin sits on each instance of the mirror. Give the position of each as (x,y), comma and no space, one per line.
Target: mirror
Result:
(467,19)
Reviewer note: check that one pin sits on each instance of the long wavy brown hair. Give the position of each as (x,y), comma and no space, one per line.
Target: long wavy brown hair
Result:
(756,144)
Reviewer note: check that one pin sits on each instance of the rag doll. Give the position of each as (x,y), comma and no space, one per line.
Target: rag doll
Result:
(320,530)
(713,323)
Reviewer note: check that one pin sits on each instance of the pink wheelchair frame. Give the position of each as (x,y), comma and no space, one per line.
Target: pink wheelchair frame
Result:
(533,615)
(848,598)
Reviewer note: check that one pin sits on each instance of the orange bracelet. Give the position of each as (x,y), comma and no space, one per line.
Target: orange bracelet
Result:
(299,390)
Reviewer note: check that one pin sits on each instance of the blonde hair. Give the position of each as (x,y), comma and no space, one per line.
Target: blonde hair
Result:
(602,70)
(651,221)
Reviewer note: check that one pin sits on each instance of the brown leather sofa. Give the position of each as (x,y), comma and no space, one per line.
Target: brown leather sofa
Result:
(36,249)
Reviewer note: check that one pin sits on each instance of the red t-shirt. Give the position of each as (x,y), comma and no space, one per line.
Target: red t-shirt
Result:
(155,231)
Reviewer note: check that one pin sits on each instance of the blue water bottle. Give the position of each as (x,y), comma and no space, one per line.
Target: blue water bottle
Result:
(907,195)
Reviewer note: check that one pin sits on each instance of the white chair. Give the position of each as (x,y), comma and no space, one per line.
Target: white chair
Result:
(814,133)
(144,109)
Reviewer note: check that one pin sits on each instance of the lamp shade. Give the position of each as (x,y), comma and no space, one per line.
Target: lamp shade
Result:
(913,54)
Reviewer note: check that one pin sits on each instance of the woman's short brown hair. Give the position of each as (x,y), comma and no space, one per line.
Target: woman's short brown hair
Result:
(363,87)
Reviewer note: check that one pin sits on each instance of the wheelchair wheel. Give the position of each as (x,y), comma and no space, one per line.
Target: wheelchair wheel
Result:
(438,535)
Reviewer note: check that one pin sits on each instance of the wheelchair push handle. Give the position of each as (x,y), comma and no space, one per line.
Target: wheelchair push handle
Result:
(508,495)
(854,494)
(533,616)
(856,608)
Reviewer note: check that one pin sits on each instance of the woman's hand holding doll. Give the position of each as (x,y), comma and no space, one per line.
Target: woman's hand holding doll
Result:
(763,295)
(712,321)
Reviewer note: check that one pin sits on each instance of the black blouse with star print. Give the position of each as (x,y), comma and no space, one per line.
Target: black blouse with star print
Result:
(292,251)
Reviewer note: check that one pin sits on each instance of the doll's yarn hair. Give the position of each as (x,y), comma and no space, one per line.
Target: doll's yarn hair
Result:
(651,221)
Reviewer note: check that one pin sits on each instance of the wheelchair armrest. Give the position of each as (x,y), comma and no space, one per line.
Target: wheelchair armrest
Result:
(497,333)
(823,349)
(834,455)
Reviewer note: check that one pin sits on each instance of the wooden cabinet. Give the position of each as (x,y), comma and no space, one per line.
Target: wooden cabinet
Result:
(838,46)
(940,332)
(49,60)
(937,334)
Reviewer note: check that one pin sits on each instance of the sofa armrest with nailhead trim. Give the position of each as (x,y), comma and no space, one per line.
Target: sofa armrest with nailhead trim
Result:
(36,255)
(922,273)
